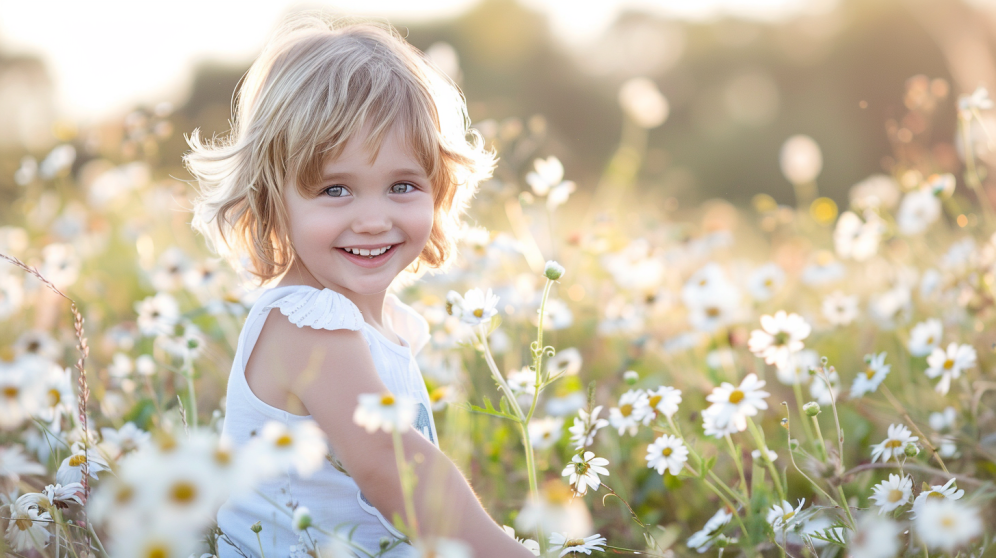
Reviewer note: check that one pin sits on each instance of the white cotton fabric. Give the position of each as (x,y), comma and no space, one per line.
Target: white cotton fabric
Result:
(333,497)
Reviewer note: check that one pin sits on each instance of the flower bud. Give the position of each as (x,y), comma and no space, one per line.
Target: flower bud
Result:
(911,450)
(384,543)
(301,519)
(631,377)
(812,408)
(453,303)
(793,444)
(553,270)
(256,527)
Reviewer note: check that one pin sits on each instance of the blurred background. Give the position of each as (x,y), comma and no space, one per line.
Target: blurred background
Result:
(739,77)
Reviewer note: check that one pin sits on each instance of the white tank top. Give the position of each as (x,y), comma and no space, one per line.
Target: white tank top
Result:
(333,497)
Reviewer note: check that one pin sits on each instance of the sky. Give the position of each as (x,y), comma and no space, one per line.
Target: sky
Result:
(107,55)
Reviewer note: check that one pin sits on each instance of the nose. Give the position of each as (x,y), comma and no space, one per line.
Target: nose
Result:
(371,217)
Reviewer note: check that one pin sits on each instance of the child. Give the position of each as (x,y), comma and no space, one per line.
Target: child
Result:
(348,164)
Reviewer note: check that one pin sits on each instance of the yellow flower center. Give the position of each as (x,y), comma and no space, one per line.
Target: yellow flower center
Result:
(788,516)
(895,495)
(222,456)
(11,391)
(478,312)
(626,409)
(654,401)
(736,396)
(157,550)
(712,311)
(387,400)
(573,542)
(930,340)
(77,460)
(23,524)
(183,492)
(870,373)
(948,364)
(893,444)
(781,338)
(284,440)
(437,395)
(947,522)
(934,495)
(769,282)
(124,494)
(667,452)
(54,397)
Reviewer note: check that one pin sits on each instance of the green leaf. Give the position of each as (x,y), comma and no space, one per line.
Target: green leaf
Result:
(489,409)
(495,322)
(707,465)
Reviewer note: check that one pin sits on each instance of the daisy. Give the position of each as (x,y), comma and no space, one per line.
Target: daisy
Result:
(771,455)
(577,546)
(185,341)
(530,544)
(584,471)
(585,427)
(554,509)
(478,306)
(894,444)
(946,524)
(301,519)
(943,421)
(731,405)
(918,210)
(893,493)
(949,364)
(857,239)
(57,384)
(876,537)
(60,496)
(783,516)
(544,432)
(872,376)
(798,367)
(301,444)
(840,309)
(667,453)
(39,343)
(978,100)
(71,469)
(624,417)
(661,401)
(781,336)
(566,362)
(170,270)
(157,314)
(702,540)
(27,527)
(14,463)
(384,411)
(937,492)
(11,294)
(765,281)
(824,269)
(925,337)
(119,442)
(21,394)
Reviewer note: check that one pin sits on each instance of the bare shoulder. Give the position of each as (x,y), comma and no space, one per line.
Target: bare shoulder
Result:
(286,356)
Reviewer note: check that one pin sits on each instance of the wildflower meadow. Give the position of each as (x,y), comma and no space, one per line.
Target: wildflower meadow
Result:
(613,377)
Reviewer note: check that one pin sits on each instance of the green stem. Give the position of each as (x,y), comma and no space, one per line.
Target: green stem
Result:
(739,463)
(762,445)
(799,402)
(260,541)
(698,460)
(406,484)
(538,349)
(188,371)
(819,435)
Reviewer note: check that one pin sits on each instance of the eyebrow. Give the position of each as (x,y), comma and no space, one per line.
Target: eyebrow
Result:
(404,172)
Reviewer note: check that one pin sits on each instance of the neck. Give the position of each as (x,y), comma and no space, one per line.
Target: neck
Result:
(370,305)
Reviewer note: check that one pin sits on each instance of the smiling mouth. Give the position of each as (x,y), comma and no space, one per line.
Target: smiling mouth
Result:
(369,253)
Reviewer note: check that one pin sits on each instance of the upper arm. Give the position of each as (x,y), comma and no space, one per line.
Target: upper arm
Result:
(327,371)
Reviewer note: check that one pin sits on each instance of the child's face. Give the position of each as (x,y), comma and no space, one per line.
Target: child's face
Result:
(362,206)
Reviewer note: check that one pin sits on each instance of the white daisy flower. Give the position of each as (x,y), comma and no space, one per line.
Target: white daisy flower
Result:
(557,315)
(530,544)
(731,405)
(893,493)
(781,336)
(61,265)
(918,210)
(566,362)
(577,546)
(11,294)
(943,421)
(584,471)
(157,314)
(823,270)
(821,393)
(71,469)
(545,432)
(978,100)
(868,380)
(890,307)
(876,537)
(57,384)
(783,516)
(585,427)
(27,527)
(944,524)
(949,364)
(384,411)
(522,382)
(798,367)
(894,444)
(301,445)
(170,270)
(478,306)
(127,439)
(937,492)
(925,337)
(121,366)
(840,309)
(547,174)
(704,285)
(185,341)
(856,239)
(667,453)
(702,540)
(38,343)
(757,455)
(624,417)
(765,281)
(661,401)
(14,463)
(60,496)
(301,519)
(554,509)
(21,393)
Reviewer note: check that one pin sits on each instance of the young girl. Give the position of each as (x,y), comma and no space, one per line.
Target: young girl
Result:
(348,164)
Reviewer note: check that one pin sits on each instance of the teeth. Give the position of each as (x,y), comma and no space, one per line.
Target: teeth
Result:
(366,252)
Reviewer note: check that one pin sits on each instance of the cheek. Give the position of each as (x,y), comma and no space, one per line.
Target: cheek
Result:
(419,220)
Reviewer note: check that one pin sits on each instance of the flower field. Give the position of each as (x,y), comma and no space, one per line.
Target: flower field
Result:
(613,376)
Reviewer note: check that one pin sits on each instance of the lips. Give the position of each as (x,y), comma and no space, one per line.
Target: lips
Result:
(383,253)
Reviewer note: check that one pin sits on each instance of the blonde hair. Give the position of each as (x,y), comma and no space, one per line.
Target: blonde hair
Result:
(317,82)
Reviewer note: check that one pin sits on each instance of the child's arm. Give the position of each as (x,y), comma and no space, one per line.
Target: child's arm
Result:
(327,371)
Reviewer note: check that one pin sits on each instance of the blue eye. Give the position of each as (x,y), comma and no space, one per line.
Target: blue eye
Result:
(402,188)
(335,191)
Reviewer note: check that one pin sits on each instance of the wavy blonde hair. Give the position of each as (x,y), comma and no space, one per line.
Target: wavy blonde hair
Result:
(317,82)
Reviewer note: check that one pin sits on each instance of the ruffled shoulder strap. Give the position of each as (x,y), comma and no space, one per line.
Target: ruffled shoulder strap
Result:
(408,323)
(319,309)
